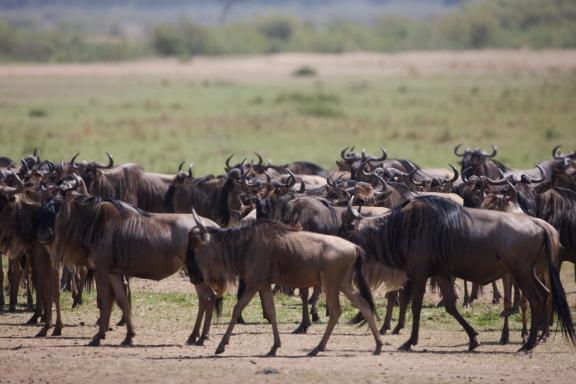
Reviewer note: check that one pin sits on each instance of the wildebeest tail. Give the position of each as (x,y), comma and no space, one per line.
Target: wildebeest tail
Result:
(219,305)
(90,276)
(361,282)
(194,272)
(559,300)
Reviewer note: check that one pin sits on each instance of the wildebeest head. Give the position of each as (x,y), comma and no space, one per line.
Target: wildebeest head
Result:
(90,170)
(564,169)
(480,162)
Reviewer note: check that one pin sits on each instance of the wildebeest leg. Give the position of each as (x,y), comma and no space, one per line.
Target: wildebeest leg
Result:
(404,297)
(47,287)
(206,301)
(238,308)
(536,299)
(14,275)
(364,307)
(1,285)
(38,281)
(391,298)
(128,293)
(419,286)
(118,288)
(524,307)
(56,298)
(199,317)
(314,303)
(466,301)
(505,336)
(210,303)
(268,303)
(239,292)
(105,297)
(496,296)
(29,299)
(305,323)
(447,289)
(80,281)
(333,303)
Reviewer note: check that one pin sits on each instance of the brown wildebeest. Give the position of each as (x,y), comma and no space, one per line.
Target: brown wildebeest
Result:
(114,239)
(20,221)
(265,252)
(432,236)
(126,182)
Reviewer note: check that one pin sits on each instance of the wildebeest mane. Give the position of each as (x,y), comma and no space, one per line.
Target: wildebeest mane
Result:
(558,207)
(429,223)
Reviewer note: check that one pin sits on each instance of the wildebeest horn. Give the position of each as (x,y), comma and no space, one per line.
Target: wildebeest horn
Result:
(413,181)
(73,161)
(302,187)
(199,224)
(465,174)
(20,184)
(529,179)
(259,159)
(24,166)
(190,175)
(36,154)
(292,179)
(384,155)
(228,162)
(347,153)
(180,166)
(456,148)
(352,210)
(494,151)
(500,181)
(556,154)
(455,177)
(268,177)
(110,161)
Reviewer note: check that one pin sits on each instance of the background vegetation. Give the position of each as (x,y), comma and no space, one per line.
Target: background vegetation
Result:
(461,25)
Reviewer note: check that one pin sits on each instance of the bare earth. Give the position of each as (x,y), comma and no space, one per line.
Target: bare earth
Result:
(160,355)
(280,67)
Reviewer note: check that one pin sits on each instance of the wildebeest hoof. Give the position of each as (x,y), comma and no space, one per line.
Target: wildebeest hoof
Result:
(396,331)
(121,323)
(191,340)
(241,320)
(525,349)
(221,348)
(33,320)
(272,352)
(94,343)
(127,342)
(473,345)
(57,331)
(383,331)
(43,332)
(378,349)
(302,329)
(406,347)
(314,352)
(200,342)
(504,340)
(315,318)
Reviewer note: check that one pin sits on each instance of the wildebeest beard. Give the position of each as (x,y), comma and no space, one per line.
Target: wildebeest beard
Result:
(429,222)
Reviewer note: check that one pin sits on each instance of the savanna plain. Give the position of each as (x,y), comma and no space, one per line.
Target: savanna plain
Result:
(156,113)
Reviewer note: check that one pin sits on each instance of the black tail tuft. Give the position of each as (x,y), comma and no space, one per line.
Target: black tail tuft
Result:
(219,305)
(90,276)
(361,282)
(561,305)
(194,272)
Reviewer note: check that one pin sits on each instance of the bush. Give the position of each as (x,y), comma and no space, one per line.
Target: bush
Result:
(304,71)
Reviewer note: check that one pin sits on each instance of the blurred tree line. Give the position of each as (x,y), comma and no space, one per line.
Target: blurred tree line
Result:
(533,24)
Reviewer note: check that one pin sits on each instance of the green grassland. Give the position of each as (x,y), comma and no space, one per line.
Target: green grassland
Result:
(157,121)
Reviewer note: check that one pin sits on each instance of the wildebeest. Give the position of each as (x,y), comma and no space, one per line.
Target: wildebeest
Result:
(433,236)
(126,182)
(114,239)
(480,162)
(20,219)
(265,252)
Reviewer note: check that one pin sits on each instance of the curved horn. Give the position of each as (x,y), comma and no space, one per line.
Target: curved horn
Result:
(384,155)
(259,159)
(19,184)
(36,154)
(292,179)
(24,166)
(73,161)
(190,175)
(465,174)
(199,224)
(555,154)
(268,177)
(456,148)
(352,210)
(302,187)
(500,181)
(343,153)
(455,177)
(529,179)
(180,166)
(494,151)
(110,161)
(413,181)
(228,162)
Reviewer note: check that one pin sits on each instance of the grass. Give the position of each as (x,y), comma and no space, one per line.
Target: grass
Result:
(157,121)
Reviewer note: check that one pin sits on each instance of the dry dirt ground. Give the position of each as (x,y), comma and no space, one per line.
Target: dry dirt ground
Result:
(279,67)
(160,354)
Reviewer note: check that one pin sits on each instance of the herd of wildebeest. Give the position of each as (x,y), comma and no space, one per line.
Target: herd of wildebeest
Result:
(261,228)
